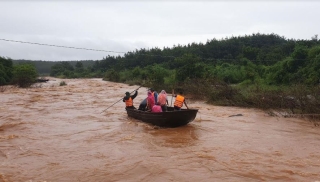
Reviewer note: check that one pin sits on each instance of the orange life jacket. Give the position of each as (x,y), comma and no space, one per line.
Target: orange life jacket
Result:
(129,102)
(179,101)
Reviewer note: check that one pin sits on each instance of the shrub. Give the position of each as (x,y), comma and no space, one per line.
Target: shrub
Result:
(112,75)
(24,75)
(63,83)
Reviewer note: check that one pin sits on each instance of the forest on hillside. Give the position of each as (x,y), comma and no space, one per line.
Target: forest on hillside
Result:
(251,70)
(274,59)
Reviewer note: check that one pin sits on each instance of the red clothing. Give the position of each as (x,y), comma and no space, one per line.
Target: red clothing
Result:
(150,101)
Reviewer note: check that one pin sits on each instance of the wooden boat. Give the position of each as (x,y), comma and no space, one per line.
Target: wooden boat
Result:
(170,118)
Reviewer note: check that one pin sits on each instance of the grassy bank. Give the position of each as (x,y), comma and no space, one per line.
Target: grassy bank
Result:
(293,100)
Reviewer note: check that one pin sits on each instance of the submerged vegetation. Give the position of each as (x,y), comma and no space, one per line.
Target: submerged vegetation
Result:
(63,83)
(259,70)
(22,75)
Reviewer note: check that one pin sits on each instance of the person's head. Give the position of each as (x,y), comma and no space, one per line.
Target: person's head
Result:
(151,89)
(180,91)
(163,92)
(127,94)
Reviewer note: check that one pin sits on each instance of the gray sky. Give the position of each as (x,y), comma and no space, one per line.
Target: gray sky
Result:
(123,26)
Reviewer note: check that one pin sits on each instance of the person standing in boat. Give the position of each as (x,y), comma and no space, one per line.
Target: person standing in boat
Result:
(180,100)
(128,99)
(163,100)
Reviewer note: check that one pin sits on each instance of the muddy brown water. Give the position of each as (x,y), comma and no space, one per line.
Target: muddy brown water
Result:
(58,133)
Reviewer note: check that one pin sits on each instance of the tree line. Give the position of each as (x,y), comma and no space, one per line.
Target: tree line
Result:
(267,58)
(245,70)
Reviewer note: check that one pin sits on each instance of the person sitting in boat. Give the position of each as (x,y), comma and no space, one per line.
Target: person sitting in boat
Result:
(128,99)
(143,105)
(154,93)
(150,101)
(156,108)
(180,100)
(163,100)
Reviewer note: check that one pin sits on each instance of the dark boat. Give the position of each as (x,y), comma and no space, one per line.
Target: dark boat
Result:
(170,118)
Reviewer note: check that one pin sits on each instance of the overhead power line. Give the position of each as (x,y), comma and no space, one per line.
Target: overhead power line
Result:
(88,49)
(51,45)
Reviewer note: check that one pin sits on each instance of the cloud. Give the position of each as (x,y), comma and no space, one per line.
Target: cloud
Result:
(123,26)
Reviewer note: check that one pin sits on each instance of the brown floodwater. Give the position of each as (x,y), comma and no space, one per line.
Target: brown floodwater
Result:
(60,133)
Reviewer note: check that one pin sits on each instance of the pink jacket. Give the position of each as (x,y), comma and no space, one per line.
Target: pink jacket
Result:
(156,108)
(162,98)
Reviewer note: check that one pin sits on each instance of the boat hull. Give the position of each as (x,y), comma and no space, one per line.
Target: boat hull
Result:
(169,118)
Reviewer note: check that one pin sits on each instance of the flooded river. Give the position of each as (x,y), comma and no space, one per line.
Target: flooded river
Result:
(60,133)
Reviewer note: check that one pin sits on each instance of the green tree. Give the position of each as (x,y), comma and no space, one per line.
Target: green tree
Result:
(314,52)
(6,68)
(249,69)
(61,69)
(311,72)
(79,67)
(136,72)
(24,75)
(299,57)
(190,67)
(157,74)
(112,75)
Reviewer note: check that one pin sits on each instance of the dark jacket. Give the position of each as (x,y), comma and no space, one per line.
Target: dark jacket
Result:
(143,105)
(132,96)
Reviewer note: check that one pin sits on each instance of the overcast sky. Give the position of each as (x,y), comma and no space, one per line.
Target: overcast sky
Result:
(123,26)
